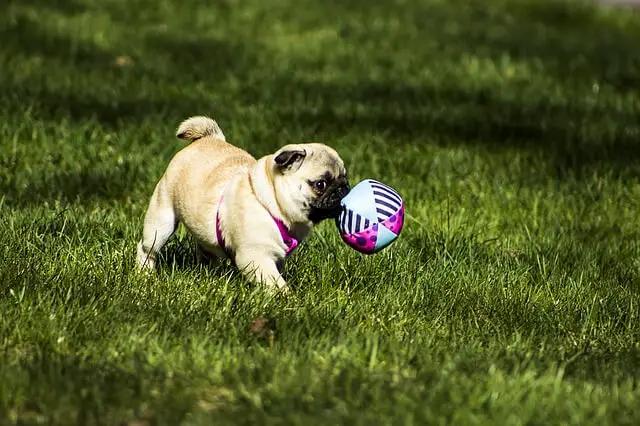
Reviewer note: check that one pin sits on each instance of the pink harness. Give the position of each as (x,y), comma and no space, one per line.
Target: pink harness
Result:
(287,238)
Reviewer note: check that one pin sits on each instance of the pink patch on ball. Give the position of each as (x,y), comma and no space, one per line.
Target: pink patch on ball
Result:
(395,222)
(364,241)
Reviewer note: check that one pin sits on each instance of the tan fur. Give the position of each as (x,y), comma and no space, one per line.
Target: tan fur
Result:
(198,127)
(190,189)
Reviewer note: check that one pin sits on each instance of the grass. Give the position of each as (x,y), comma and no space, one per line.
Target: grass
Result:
(510,127)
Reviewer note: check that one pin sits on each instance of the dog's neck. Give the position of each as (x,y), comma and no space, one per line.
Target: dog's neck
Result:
(264,190)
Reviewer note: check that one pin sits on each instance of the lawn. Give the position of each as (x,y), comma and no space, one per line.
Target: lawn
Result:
(511,128)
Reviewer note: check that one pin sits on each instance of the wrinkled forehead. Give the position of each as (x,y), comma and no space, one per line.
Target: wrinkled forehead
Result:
(325,159)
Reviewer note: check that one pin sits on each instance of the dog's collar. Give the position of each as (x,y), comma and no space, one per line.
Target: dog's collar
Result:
(287,238)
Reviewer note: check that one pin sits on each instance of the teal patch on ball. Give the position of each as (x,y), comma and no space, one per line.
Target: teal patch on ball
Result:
(372,216)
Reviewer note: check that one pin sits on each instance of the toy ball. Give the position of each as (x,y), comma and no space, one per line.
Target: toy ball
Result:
(372,216)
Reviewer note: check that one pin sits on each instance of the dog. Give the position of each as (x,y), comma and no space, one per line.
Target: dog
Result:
(253,212)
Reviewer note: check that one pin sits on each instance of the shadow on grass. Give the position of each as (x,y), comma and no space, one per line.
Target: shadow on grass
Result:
(181,254)
(567,38)
(67,7)
(554,32)
(184,73)
(25,37)
(454,116)
(84,186)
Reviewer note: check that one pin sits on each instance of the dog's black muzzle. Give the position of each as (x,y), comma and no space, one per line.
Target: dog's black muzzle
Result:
(328,205)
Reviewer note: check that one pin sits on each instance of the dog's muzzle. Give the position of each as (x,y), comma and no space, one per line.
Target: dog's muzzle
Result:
(328,206)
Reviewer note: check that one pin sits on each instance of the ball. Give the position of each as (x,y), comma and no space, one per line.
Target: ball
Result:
(372,216)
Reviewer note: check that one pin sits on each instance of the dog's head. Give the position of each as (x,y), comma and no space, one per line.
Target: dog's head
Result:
(310,180)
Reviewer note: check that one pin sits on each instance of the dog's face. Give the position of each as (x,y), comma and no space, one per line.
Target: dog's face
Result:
(310,180)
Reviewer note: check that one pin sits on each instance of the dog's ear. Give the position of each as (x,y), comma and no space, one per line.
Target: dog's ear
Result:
(289,160)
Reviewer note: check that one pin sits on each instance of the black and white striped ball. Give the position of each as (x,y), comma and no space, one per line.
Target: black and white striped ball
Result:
(372,216)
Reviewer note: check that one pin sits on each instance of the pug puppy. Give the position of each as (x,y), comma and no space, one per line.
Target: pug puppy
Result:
(253,212)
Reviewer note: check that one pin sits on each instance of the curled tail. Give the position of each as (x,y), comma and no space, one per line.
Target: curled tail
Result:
(198,127)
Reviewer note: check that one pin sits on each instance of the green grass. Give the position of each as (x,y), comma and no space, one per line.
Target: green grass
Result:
(511,129)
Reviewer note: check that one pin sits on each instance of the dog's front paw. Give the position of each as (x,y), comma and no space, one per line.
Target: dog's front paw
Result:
(145,260)
(281,288)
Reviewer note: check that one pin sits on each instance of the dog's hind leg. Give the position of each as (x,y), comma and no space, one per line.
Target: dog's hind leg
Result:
(160,223)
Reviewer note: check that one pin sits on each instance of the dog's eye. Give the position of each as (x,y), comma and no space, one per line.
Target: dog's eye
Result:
(320,185)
